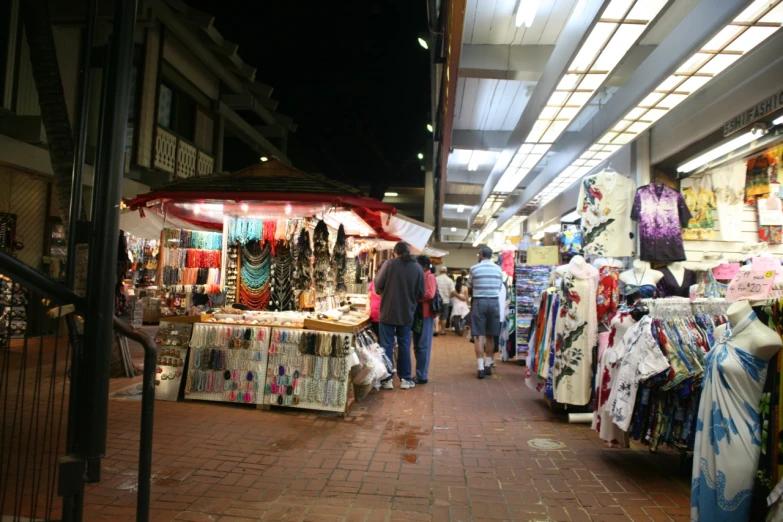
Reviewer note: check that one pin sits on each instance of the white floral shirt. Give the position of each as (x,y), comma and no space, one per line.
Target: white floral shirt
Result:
(605,207)
(643,359)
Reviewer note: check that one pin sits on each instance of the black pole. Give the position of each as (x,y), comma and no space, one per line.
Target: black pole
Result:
(105,232)
(81,143)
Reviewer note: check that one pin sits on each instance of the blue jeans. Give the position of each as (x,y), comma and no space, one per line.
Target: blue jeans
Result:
(422,347)
(403,335)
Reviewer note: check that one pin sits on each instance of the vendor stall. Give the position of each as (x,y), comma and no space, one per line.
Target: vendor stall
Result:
(285,249)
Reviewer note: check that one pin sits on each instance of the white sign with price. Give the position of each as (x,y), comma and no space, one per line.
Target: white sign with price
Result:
(750,285)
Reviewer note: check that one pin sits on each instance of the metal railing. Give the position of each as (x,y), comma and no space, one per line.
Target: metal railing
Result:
(76,467)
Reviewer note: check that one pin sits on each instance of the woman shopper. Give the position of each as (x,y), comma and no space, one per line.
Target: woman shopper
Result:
(374,305)
(459,305)
(400,283)
(422,340)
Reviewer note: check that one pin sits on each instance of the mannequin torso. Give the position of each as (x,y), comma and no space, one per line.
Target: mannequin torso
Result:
(756,339)
(641,275)
(677,270)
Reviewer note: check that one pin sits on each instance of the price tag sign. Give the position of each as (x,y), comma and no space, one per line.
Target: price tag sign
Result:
(765,263)
(726,271)
(750,285)
(546,255)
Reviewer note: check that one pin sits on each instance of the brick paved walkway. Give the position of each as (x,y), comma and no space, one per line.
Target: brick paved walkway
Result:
(454,449)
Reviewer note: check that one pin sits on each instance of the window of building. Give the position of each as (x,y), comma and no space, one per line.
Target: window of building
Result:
(177,112)
(5,44)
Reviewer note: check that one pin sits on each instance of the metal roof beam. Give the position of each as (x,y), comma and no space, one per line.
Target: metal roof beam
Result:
(504,62)
(479,140)
(248,134)
(468,177)
(462,199)
(693,31)
(571,38)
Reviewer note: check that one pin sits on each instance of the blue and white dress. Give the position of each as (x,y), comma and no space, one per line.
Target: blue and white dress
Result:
(728,431)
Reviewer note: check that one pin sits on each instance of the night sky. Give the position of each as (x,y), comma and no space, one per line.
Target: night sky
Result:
(351,74)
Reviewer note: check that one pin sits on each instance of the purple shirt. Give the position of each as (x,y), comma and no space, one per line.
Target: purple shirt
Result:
(661,213)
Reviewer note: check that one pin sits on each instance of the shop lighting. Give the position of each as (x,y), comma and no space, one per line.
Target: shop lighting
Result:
(453,229)
(460,209)
(429,127)
(288,209)
(423,43)
(244,207)
(513,222)
(573,216)
(263,158)
(754,25)
(197,209)
(390,194)
(538,235)
(779,121)
(420,155)
(526,12)
(718,151)
(620,26)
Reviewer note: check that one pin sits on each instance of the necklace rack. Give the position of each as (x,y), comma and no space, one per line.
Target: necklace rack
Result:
(255,276)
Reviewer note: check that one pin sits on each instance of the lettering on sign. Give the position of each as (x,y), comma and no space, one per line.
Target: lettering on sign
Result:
(753,114)
(546,255)
(726,271)
(750,285)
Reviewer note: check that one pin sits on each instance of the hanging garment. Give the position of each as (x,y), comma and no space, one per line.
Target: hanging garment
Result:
(608,294)
(669,287)
(577,332)
(607,371)
(760,171)
(728,184)
(603,206)
(701,202)
(728,438)
(661,213)
(643,359)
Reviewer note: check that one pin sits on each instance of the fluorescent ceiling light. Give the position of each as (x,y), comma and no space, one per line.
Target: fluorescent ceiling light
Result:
(538,235)
(453,229)
(424,43)
(718,151)
(753,26)
(390,194)
(460,208)
(605,46)
(526,12)
(474,162)
(573,216)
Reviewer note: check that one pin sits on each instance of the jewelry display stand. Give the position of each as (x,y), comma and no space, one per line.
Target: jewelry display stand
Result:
(228,363)
(172,340)
(310,370)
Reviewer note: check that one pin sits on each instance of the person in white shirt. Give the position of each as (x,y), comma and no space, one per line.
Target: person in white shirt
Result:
(445,289)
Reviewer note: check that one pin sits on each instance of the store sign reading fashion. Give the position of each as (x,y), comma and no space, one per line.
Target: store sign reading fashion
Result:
(753,114)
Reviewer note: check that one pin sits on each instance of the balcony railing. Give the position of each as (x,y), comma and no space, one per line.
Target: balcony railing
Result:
(180,157)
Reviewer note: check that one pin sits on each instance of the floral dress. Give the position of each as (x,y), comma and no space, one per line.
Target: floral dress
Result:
(608,296)
(603,206)
(728,431)
(572,365)
(607,372)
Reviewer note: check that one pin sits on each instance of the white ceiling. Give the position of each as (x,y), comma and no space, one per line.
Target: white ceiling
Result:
(492,22)
(486,104)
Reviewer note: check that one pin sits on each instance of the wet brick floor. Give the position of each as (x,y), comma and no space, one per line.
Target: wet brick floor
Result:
(454,449)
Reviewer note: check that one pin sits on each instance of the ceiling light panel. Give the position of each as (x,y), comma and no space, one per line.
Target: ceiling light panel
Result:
(753,26)
(741,35)
(606,45)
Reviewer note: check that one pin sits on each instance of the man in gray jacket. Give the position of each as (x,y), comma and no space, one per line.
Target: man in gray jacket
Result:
(400,282)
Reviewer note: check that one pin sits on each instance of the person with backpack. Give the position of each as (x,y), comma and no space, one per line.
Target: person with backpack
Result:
(430,306)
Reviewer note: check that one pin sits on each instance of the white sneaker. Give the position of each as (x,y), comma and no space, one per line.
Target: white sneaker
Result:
(387,385)
(406,384)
